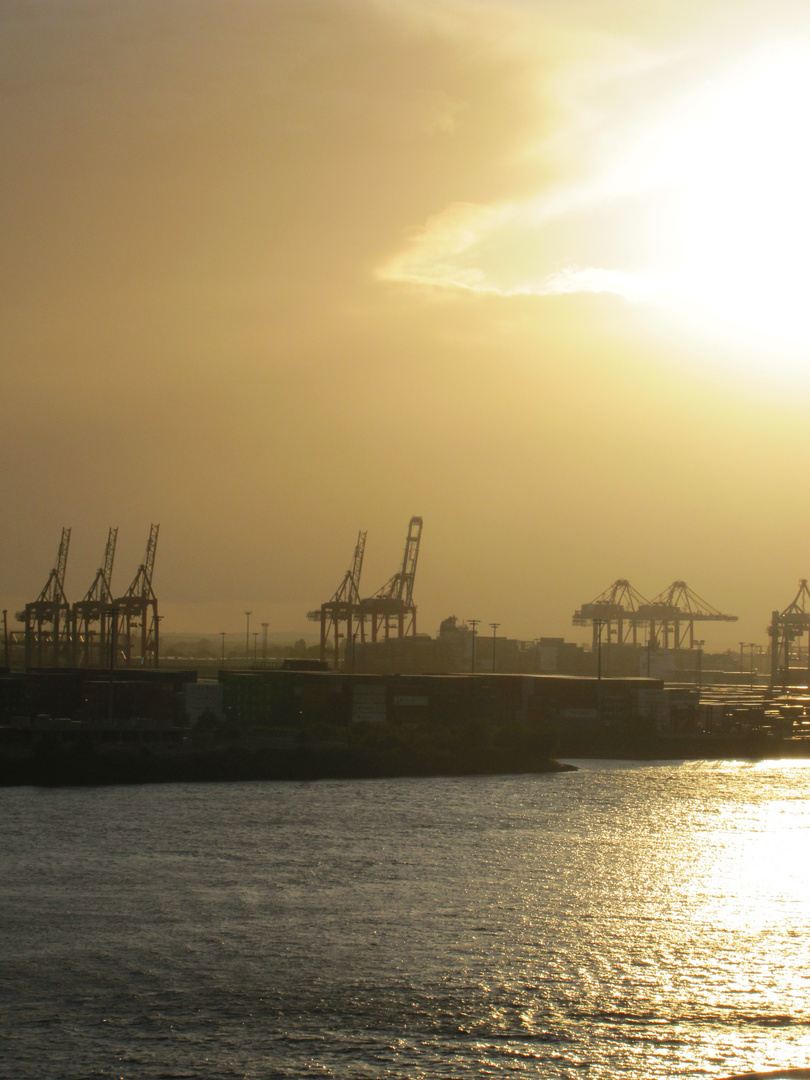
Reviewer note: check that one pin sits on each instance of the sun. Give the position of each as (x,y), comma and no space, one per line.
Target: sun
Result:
(740,224)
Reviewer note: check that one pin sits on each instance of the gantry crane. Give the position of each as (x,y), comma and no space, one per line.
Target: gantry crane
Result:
(667,619)
(47,619)
(786,626)
(342,610)
(391,610)
(673,613)
(93,616)
(138,609)
(616,611)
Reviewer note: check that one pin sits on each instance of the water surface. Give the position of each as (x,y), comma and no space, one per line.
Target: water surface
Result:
(621,921)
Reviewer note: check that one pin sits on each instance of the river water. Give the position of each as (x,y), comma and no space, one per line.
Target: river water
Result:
(621,921)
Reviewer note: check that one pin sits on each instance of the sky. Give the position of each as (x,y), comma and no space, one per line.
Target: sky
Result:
(277,271)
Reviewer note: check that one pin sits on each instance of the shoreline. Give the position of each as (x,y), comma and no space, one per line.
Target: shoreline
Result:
(239,764)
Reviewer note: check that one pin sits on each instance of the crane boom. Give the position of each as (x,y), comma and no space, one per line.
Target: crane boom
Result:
(54,589)
(101,589)
(357,568)
(142,582)
(61,565)
(149,561)
(109,559)
(399,588)
(409,560)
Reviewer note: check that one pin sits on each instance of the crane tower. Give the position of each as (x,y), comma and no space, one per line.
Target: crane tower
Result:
(137,609)
(92,616)
(786,626)
(391,611)
(342,610)
(47,619)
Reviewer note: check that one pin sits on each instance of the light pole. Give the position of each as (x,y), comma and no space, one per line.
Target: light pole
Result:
(700,645)
(113,646)
(494,626)
(247,637)
(599,624)
(222,635)
(752,645)
(473,623)
(158,620)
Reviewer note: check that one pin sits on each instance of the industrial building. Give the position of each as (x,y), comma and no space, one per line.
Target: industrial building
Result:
(459,649)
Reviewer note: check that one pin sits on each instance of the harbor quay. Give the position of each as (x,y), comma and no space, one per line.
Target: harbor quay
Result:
(172,708)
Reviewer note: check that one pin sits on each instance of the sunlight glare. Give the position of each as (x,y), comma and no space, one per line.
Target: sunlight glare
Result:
(744,226)
(702,212)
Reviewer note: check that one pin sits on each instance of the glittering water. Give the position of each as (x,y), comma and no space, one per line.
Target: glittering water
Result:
(622,921)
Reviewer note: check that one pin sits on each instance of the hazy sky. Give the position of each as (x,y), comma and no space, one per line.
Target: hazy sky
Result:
(274,272)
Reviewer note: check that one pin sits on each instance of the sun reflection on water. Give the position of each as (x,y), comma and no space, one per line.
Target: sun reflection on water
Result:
(683,937)
(741,908)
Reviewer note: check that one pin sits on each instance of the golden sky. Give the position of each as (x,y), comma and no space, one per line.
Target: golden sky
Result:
(274,272)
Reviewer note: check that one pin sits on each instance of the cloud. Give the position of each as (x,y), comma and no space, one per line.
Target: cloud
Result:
(570,189)
(501,251)
(688,193)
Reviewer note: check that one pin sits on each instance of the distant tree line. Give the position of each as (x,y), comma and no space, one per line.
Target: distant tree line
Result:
(208,648)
